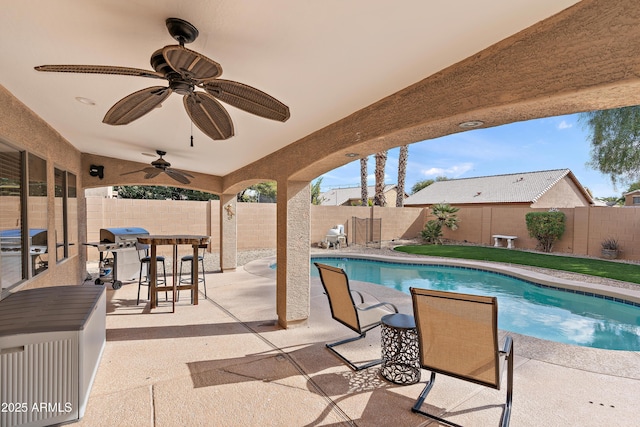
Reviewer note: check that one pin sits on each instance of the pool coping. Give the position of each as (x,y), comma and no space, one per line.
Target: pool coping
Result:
(618,363)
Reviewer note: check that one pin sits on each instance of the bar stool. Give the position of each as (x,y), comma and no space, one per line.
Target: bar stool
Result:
(201,279)
(145,260)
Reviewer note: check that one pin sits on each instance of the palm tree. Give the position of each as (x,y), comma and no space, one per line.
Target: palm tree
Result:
(402,174)
(364,194)
(381,160)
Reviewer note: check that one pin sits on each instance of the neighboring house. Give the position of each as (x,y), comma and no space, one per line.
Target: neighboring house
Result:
(542,189)
(632,198)
(351,196)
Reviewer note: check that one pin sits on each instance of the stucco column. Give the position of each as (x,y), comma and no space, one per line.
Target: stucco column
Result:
(293,237)
(228,232)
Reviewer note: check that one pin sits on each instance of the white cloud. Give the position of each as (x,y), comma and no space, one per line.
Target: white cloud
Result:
(453,171)
(564,125)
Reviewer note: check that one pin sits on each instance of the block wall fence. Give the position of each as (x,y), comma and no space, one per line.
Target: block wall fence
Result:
(586,227)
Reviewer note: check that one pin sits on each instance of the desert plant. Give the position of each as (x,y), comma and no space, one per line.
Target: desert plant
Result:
(546,228)
(446,215)
(610,244)
(610,248)
(432,232)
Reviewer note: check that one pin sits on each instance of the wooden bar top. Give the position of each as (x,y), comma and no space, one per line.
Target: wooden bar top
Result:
(176,239)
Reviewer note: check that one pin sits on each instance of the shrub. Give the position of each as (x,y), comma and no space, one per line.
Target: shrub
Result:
(432,232)
(546,228)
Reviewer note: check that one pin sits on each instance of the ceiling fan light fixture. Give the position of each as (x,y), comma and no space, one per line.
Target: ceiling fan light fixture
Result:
(470,124)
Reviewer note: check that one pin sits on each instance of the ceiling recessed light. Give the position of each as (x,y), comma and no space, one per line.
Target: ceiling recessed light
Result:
(85,101)
(471,124)
(352,154)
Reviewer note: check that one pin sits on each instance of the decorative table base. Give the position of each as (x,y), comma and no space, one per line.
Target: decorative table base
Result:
(400,352)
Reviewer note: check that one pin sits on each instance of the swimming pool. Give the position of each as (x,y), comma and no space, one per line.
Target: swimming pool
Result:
(523,307)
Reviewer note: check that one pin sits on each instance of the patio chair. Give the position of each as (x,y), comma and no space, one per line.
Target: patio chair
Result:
(145,265)
(201,279)
(360,317)
(458,336)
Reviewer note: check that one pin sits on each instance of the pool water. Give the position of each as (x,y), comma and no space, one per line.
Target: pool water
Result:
(523,307)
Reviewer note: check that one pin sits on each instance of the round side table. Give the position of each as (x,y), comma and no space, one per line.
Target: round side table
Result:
(400,350)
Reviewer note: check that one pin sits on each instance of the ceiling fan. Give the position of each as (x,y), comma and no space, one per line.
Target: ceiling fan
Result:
(161,165)
(185,70)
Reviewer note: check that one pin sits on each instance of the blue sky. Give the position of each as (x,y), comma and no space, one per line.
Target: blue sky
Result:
(550,143)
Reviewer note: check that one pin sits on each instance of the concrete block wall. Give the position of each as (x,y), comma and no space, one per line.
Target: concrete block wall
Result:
(37,212)
(622,224)
(397,223)
(256,226)
(256,221)
(10,218)
(586,227)
(156,216)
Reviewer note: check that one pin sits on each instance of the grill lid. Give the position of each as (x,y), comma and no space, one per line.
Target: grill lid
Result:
(114,235)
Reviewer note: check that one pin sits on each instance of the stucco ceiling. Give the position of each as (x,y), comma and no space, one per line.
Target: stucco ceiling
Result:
(324,59)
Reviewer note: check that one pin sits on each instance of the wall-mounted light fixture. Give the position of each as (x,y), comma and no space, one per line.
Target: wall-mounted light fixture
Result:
(96,170)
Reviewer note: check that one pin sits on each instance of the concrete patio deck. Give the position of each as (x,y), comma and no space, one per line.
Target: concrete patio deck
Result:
(225,362)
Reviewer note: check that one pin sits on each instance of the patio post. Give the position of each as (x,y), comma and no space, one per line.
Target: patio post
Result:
(228,232)
(293,237)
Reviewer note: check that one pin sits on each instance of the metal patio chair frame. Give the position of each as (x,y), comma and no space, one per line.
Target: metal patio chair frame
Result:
(360,317)
(458,337)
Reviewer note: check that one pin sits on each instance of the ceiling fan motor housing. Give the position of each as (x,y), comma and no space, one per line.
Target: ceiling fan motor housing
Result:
(181,30)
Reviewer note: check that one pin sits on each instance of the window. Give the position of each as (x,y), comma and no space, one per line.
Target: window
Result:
(66,206)
(11,206)
(37,214)
(636,200)
(60,188)
(72,215)
(24,216)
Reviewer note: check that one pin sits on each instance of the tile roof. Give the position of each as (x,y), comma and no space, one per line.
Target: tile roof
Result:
(524,187)
(338,196)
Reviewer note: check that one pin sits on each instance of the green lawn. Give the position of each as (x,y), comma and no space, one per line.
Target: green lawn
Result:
(593,267)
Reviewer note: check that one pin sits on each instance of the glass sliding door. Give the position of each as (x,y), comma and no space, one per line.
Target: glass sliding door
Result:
(12,269)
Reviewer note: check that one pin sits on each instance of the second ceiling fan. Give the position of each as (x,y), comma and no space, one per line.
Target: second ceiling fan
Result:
(185,70)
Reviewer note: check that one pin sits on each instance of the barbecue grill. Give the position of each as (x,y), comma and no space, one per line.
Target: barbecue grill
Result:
(121,243)
(11,248)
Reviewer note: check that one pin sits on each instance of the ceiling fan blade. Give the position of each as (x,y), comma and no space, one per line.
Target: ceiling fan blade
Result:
(177,176)
(100,69)
(248,98)
(146,170)
(152,173)
(208,115)
(190,64)
(136,105)
(183,172)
